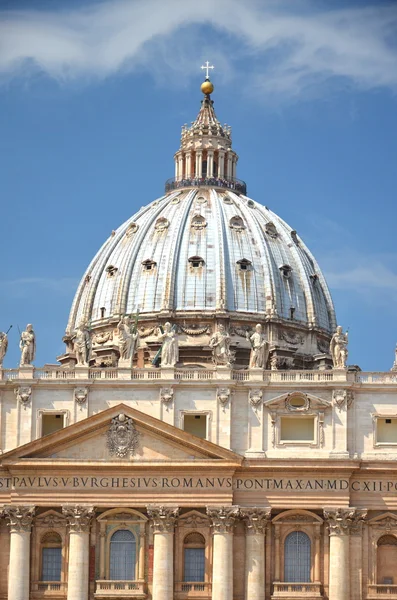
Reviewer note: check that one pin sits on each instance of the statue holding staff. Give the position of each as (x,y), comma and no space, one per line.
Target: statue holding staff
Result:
(128,338)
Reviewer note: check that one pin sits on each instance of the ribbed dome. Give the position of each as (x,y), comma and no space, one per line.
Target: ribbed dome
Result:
(202,250)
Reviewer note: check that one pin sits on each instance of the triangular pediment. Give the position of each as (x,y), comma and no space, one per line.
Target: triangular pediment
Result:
(307,401)
(88,440)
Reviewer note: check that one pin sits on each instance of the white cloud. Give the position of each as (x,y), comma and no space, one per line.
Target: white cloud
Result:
(25,286)
(289,49)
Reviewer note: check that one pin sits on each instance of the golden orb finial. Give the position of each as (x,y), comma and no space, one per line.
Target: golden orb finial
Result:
(207,87)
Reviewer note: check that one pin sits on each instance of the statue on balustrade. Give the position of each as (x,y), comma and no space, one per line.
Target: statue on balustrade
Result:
(220,345)
(128,338)
(27,345)
(338,348)
(169,350)
(81,344)
(3,346)
(259,348)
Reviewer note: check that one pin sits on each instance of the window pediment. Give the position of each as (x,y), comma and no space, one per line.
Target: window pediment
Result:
(297,402)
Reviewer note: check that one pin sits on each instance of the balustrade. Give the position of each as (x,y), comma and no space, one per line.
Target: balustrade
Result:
(186,589)
(284,590)
(49,588)
(382,591)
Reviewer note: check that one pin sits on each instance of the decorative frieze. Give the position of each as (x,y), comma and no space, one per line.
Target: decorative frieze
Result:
(78,517)
(19,518)
(343,521)
(256,519)
(163,518)
(223,518)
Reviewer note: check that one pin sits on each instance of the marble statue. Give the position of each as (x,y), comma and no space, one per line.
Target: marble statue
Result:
(81,344)
(220,345)
(128,339)
(169,348)
(394,367)
(27,345)
(3,346)
(259,348)
(338,348)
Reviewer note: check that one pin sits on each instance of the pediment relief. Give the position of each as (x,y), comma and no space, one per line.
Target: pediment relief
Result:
(385,521)
(49,519)
(89,440)
(193,520)
(297,402)
(297,516)
(125,515)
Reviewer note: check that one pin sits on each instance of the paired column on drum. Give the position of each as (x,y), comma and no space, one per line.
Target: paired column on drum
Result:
(341,522)
(79,522)
(163,523)
(20,522)
(256,520)
(223,519)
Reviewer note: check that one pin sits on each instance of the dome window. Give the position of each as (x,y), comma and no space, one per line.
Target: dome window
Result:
(294,237)
(131,229)
(314,278)
(286,271)
(103,312)
(111,271)
(196,262)
(251,203)
(244,264)
(201,200)
(162,224)
(237,224)
(271,230)
(148,265)
(199,222)
(227,200)
(87,278)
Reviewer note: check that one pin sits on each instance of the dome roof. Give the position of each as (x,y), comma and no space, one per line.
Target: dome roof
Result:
(205,255)
(201,251)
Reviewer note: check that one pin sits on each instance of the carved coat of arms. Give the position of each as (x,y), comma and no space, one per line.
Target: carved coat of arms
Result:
(122,436)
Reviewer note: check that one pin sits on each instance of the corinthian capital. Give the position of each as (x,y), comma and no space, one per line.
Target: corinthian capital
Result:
(223,517)
(256,519)
(163,517)
(19,517)
(343,521)
(78,517)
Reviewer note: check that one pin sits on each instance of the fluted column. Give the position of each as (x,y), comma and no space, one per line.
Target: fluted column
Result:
(221,165)
(188,165)
(229,165)
(180,166)
(340,521)
(223,519)
(20,522)
(163,523)
(256,520)
(210,163)
(79,521)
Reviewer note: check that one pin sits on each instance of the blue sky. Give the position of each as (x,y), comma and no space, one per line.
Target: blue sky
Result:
(92,98)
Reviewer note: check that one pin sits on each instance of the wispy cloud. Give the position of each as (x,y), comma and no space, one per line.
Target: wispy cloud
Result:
(291,48)
(25,286)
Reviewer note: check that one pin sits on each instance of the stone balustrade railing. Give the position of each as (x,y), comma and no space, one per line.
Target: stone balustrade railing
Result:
(49,588)
(381,591)
(196,589)
(121,588)
(300,590)
(297,378)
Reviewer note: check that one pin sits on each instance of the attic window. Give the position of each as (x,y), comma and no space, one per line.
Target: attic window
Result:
(199,222)
(103,311)
(227,200)
(236,223)
(111,270)
(148,265)
(294,237)
(131,229)
(251,203)
(196,262)
(314,278)
(244,264)
(201,200)
(286,271)
(271,230)
(162,224)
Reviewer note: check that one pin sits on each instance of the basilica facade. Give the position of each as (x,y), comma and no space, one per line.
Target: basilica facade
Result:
(203,435)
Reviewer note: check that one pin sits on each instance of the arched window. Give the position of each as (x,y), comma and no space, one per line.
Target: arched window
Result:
(297,557)
(51,557)
(122,555)
(194,557)
(386,559)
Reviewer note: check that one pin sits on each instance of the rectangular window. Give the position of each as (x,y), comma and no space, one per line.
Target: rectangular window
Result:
(51,564)
(194,564)
(51,422)
(386,430)
(196,425)
(297,429)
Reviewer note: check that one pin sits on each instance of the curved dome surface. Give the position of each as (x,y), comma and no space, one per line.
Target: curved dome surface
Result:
(204,250)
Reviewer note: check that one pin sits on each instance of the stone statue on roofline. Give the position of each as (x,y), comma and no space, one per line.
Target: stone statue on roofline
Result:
(3,346)
(394,367)
(81,344)
(338,348)
(220,346)
(27,345)
(128,338)
(259,348)
(169,350)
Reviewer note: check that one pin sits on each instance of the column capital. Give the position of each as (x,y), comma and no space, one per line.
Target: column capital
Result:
(255,519)
(163,517)
(78,517)
(19,518)
(343,521)
(223,518)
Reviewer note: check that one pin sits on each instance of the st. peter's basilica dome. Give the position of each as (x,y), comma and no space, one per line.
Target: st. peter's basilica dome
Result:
(205,254)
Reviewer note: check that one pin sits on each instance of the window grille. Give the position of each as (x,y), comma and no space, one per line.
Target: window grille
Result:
(122,555)
(194,564)
(297,557)
(51,564)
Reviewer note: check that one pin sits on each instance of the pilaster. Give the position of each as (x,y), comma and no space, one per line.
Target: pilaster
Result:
(163,520)
(79,521)
(256,520)
(20,520)
(223,520)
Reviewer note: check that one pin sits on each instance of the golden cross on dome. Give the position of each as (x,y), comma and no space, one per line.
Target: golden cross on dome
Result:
(207,67)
